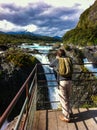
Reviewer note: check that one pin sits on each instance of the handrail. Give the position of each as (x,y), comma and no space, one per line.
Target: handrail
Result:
(15,99)
(24,105)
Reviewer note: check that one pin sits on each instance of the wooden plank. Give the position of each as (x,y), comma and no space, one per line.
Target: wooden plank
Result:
(77,119)
(36,120)
(72,125)
(61,125)
(39,120)
(52,120)
(42,120)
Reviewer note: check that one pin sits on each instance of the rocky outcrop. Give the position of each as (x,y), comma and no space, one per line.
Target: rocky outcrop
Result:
(91,54)
(12,78)
(3,47)
(11,125)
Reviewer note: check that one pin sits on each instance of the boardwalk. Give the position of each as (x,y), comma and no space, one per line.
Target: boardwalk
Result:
(83,119)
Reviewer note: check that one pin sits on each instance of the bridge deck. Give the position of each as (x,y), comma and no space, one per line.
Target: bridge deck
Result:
(83,119)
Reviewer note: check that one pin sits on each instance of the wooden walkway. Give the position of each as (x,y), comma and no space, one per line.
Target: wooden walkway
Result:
(83,119)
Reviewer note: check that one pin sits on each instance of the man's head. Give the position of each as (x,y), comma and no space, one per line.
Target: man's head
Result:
(61,53)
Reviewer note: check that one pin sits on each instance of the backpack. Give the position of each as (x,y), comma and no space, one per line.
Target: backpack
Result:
(65,67)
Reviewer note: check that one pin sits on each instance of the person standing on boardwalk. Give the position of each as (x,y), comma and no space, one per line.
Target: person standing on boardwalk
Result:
(64,67)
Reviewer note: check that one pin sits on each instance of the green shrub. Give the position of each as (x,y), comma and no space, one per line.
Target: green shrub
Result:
(67,47)
(94,99)
(20,58)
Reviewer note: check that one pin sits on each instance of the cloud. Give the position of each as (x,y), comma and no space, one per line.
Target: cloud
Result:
(30,28)
(42,18)
(6,26)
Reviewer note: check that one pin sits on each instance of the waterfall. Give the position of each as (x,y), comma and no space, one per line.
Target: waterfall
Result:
(53,94)
(90,66)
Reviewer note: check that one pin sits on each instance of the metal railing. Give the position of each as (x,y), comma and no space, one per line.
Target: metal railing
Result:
(37,95)
(30,101)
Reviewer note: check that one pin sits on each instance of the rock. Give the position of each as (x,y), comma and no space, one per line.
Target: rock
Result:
(11,125)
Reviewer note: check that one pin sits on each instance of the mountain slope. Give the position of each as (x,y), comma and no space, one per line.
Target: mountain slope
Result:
(85,32)
(24,37)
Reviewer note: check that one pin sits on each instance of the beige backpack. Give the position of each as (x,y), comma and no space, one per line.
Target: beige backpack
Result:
(65,67)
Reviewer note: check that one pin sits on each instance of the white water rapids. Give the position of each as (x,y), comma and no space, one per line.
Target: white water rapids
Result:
(90,66)
(53,94)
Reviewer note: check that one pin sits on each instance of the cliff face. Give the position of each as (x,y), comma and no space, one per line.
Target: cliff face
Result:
(85,32)
(88,19)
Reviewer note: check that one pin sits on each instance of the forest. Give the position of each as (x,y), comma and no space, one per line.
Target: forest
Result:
(16,39)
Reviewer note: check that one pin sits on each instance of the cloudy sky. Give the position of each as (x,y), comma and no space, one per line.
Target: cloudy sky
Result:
(45,17)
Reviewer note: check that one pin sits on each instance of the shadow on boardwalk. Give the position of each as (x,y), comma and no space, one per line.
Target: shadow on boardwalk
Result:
(83,119)
(86,118)
(85,115)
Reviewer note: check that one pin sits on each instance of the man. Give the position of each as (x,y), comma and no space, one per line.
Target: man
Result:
(65,82)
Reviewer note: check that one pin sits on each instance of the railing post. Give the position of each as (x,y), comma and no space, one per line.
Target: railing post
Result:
(27,96)
(27,105)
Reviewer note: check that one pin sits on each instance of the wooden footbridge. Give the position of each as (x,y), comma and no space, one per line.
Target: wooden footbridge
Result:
(46,118)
